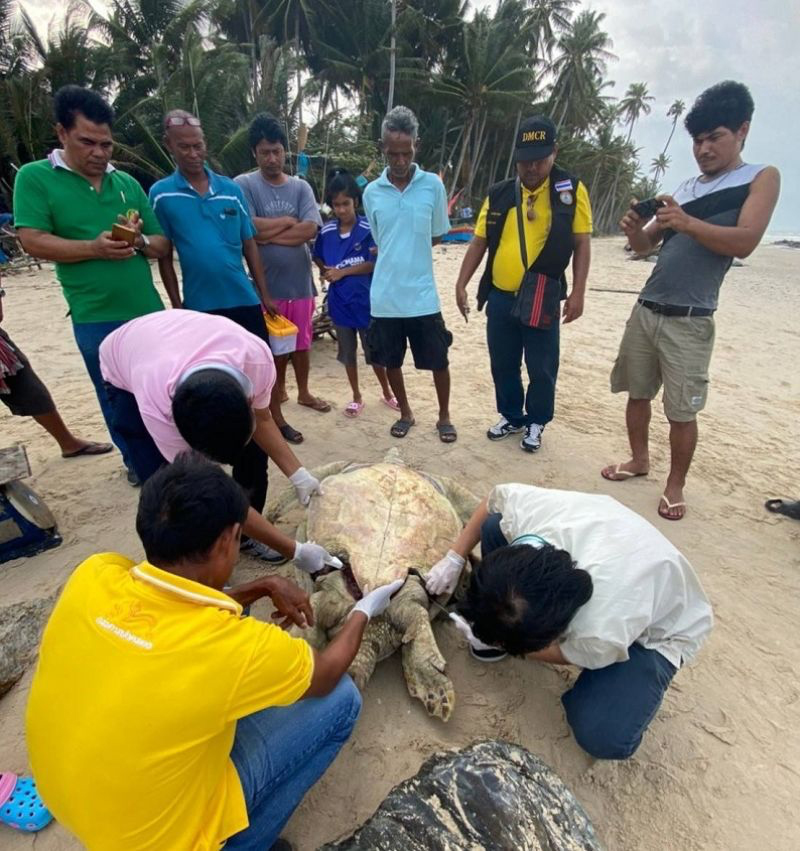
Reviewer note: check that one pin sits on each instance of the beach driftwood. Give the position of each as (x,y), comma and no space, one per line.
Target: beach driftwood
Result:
(491,795)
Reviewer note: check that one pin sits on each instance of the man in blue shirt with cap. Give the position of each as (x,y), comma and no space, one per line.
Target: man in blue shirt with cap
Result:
(407,212)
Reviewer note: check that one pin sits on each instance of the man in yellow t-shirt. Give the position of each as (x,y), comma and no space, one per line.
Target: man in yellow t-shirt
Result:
(557,227)
(159,718)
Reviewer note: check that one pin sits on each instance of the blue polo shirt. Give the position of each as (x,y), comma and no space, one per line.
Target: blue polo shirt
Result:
(208,232)
(403,224)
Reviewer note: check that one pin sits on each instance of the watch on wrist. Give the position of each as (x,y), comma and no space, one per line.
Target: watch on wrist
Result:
(145,243)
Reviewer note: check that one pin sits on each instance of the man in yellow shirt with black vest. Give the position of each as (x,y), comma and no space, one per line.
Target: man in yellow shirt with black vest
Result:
(557,224)
(159,718)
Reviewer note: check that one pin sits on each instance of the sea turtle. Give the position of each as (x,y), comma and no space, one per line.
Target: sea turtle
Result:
(383,520)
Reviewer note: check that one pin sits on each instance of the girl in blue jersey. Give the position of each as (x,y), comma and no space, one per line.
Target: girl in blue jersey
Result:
(344,252)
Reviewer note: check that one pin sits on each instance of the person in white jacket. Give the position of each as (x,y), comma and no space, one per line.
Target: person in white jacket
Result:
(579,579)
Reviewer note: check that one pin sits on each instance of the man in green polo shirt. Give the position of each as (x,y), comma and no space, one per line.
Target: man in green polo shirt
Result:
(65,207)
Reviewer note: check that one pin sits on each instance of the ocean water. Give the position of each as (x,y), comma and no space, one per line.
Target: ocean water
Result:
(774,236)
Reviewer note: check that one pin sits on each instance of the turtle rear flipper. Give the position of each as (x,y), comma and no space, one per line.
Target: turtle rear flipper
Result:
(423,663)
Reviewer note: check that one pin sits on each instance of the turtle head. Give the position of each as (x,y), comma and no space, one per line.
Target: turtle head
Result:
(393,457)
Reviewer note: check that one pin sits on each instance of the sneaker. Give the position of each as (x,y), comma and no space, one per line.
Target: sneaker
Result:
(255,549)
(492,654)
(133,479)
(502,429)
(533,438)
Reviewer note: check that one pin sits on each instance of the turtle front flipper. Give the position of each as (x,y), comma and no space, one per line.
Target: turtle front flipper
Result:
(423,663)
(380,639)
(287,500)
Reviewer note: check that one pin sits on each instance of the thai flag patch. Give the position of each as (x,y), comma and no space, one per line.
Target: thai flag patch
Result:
(563,186)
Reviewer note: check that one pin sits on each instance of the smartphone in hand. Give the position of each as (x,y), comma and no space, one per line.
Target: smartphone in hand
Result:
(647,209)
(123,233)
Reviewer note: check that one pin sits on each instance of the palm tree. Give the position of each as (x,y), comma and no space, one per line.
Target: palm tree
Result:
(634,104)
(492,75)
(69,54)
(392,57)
(354,59)
(659,166)
(466,75)
(550,18)
(293,21)
(579,69)
(675,111)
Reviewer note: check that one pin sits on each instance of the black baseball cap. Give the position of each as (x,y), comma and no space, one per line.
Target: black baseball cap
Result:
(535,140)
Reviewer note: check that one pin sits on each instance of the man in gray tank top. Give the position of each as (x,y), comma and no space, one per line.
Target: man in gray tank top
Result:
(710,219)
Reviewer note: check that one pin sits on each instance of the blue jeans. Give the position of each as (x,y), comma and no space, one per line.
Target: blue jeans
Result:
(144,457)
(509,341)
(608,709)
(281,752)
(88,336)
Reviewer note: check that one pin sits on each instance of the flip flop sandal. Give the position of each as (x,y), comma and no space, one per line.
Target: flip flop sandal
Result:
(291,435)
(617,475)
(670,506)
(317,405)
(90,449)
(787,507)
(391,403)
(20,804)
(353,409)
(401,428)
(447,432)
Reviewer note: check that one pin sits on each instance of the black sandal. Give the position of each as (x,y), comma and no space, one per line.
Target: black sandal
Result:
(290,435)
(787,507)
(447,432)
(401,427)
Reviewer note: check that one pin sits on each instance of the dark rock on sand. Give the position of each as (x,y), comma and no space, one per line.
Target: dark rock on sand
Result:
(21,627)
(492,795)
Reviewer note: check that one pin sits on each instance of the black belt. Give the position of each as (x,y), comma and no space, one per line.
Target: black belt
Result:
(675,309)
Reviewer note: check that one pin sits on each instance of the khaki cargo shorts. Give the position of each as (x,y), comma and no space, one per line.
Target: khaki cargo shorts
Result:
(671,350)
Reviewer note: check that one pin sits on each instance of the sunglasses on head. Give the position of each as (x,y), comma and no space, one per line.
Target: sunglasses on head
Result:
(180,120)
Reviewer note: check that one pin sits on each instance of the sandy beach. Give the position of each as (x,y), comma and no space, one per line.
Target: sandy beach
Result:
(720,766)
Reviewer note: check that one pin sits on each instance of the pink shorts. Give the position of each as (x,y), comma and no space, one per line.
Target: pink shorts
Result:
(301,312)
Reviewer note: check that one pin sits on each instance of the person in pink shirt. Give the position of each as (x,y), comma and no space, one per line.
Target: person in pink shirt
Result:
(179,380)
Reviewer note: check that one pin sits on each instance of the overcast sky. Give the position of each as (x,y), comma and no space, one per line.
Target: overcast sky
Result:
(680,47)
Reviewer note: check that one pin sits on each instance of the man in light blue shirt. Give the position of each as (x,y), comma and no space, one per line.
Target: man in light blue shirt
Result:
(407,211)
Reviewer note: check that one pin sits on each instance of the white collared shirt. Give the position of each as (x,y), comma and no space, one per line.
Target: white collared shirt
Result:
(644,589)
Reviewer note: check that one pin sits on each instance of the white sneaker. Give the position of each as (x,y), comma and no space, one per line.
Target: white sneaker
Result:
(502,429)
(533,437)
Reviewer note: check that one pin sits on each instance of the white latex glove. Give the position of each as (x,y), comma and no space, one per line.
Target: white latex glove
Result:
(443,577)
(466,630)
(305,484)
(377,601)
(311,557)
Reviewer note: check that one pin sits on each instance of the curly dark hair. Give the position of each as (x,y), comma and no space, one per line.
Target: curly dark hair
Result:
(523,598)
(266,126)
(728,104)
